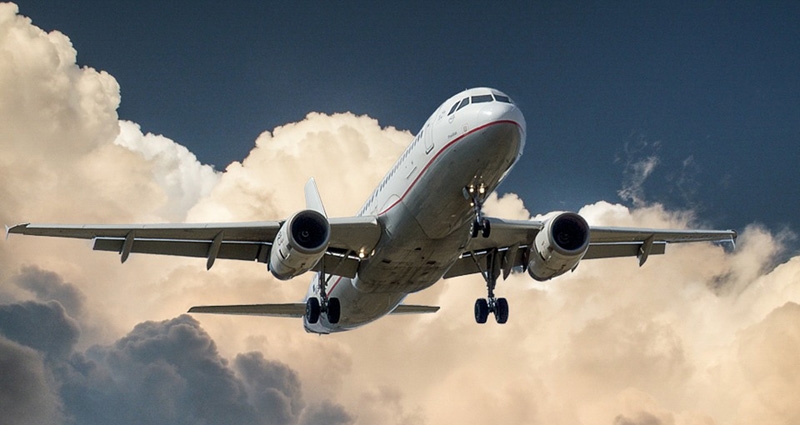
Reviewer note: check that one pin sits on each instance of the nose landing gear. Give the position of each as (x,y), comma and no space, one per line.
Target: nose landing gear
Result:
(477,196)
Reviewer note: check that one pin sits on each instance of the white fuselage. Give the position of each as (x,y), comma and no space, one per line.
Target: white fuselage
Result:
(421,206)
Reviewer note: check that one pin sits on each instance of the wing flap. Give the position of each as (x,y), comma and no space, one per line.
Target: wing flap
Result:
(184,248)
(505,233)
(476,262)
(611,250)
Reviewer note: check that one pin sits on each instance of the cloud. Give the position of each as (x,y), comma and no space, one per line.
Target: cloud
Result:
(162,372)
(48,286)
(44,327)
(269,182)
(635,175)
(26,396)
(700,335)
(176,170)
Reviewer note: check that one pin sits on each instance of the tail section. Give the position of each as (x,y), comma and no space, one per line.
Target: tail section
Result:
(313,200)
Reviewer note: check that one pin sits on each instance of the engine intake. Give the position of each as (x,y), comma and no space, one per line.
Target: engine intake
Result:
(559,246)
(300,244)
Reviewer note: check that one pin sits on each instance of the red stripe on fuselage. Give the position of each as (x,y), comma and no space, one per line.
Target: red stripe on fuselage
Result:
(447,146)
(439,153)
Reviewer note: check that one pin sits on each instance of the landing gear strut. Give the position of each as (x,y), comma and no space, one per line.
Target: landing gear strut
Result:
(477,196)
(491,304)
(316,306)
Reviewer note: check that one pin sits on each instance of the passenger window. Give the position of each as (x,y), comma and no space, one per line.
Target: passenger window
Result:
(453,109)
(484,98)
(463,103)
(501,98)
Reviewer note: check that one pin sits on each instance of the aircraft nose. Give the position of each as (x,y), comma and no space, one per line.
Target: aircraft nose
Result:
(499,111)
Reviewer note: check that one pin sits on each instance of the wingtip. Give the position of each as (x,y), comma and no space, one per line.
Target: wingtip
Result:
(15,229)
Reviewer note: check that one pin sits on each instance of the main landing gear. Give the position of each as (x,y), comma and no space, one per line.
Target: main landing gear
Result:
(316,306)
(491,304)
(477,196)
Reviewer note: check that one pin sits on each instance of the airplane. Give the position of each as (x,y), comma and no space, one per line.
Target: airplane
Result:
(424,222)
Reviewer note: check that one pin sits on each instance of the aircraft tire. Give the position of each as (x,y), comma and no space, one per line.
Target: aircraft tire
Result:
(334,310)
(312,310)
(481,310)
(501,310)
(486,228)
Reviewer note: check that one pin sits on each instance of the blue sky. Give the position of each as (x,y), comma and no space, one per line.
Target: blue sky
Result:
(709,89)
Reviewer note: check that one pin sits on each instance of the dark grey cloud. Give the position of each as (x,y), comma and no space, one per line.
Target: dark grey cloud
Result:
(26,395)
(273,388)
(161,372)
(326,413)
(166,372)
(45,327)
(49,286)
(642,418)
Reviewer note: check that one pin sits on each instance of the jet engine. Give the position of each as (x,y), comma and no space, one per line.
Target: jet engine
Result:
(300,244)
(559,246)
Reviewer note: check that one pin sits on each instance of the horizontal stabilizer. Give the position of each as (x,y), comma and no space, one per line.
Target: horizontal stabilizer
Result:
(415,309)
(274,310)
(291,310)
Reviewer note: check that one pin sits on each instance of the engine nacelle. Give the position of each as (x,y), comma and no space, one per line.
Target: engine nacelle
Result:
(300,244)
(559,246)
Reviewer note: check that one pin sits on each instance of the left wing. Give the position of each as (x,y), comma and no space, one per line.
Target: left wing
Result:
(513,241)
(240,241)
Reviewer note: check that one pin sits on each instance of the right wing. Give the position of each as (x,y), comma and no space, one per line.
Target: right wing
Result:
(239,241)
(513,241)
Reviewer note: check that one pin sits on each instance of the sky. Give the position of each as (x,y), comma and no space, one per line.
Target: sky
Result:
(652,116)
(708,90)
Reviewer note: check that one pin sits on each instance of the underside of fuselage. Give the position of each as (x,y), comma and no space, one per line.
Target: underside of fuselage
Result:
(426,230)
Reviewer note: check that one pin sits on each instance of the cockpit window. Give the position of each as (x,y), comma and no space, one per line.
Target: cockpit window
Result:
(484,98)
(481,98)
(453,109)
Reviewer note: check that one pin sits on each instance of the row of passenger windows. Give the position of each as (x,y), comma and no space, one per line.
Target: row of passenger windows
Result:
(481,98)
(397,165)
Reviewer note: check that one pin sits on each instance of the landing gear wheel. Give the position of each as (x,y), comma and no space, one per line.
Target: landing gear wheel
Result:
(334,310)
(501,310)
(313,310)
(481,310)
(486,228)
(475,229)
(490,304)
